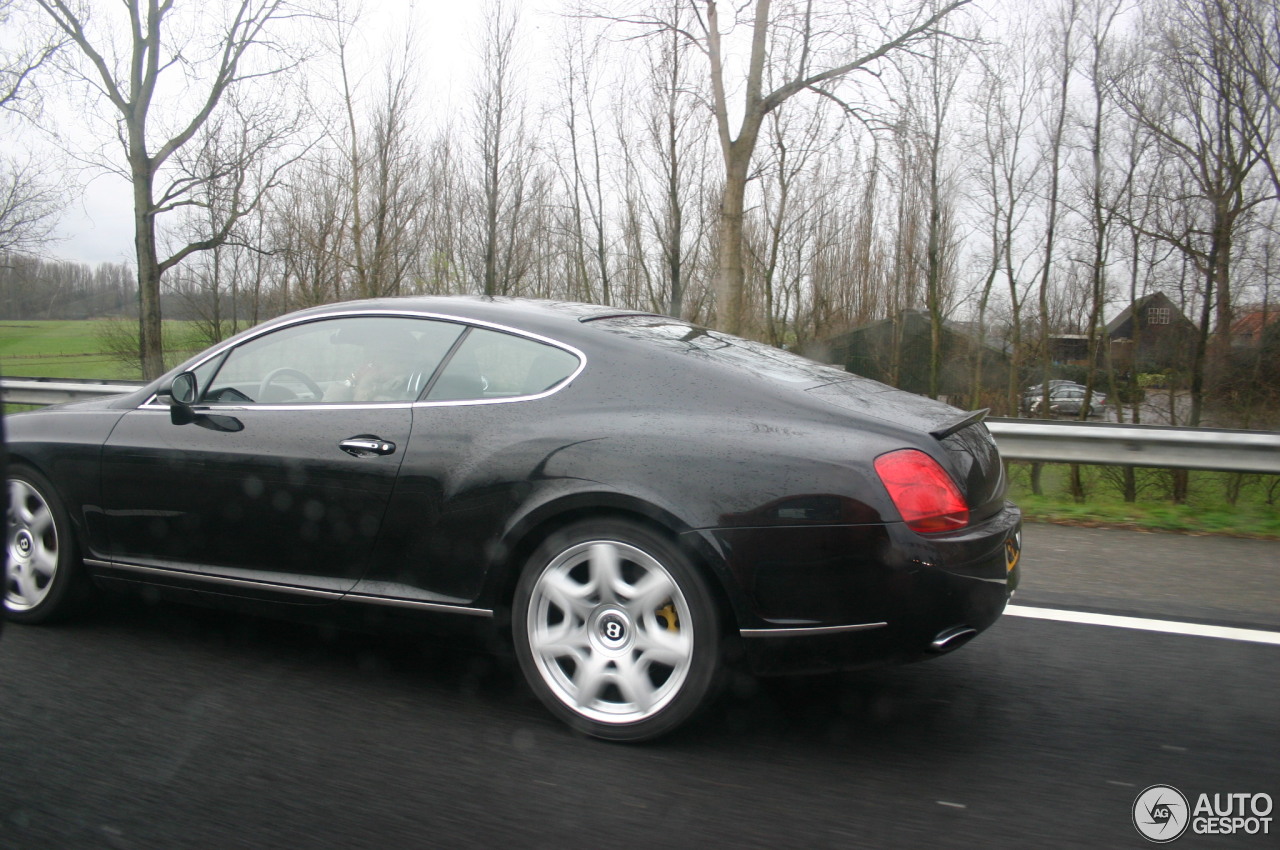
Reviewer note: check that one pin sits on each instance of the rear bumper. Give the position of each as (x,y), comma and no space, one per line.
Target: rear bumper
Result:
(887,596)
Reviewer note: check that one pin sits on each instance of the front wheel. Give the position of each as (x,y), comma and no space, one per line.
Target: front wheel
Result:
(44,578)
(616,631)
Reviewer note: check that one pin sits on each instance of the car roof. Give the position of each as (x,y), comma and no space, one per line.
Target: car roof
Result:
(529,314)
(572,323)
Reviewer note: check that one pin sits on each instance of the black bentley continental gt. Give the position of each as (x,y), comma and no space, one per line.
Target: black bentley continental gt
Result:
(630,499)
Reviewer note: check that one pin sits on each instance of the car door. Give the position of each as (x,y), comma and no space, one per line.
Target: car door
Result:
(280,474)
(472,463)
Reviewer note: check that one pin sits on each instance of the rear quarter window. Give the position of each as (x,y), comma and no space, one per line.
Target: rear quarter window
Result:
(495,365)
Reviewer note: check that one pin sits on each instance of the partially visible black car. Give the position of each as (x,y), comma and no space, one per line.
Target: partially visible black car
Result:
(625,496)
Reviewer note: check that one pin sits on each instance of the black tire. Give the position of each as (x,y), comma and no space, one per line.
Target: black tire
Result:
(616,631)
(44,578)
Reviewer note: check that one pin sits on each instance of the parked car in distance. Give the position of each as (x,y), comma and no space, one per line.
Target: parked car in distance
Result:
(1069,400)
(628,499)
(1034,393)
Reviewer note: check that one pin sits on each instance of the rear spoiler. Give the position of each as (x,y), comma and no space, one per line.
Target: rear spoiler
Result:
(960,424)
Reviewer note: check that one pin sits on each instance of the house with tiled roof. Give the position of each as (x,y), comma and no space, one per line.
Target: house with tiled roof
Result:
(1247,331)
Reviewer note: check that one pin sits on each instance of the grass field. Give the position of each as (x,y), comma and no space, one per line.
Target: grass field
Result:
(73,349)
(1256,512)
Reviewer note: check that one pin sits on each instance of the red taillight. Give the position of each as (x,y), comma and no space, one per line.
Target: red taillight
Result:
(923,492)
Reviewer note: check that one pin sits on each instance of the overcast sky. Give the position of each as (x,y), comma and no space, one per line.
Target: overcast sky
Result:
(97,224)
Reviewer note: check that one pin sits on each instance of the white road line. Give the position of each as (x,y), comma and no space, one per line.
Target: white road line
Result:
(1143,624)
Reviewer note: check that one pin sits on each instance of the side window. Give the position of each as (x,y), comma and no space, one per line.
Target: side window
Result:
(356,359)
(491,364)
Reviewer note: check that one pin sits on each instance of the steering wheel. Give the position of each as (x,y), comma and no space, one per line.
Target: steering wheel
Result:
(288,371)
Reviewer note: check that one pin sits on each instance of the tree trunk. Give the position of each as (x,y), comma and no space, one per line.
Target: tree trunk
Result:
(150,327)
(731,280)
(1077,484)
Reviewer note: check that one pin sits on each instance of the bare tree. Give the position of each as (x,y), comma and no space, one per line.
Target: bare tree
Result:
(309,217)
(850,273)
(223,286)
(791,49)
(164,86)
(985,142)
(1132,210)
(666,160)
(1063,40)
(29,199)
(1006,103)
(1255,28)
(444,219)
(1196,101)
(506,172)
(583,169)
(29,205)
(1101,191)
(930,98)
(669,130)
(385,165)
(27,48)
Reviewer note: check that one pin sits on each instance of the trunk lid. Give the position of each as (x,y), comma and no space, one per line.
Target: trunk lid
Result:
(973,460)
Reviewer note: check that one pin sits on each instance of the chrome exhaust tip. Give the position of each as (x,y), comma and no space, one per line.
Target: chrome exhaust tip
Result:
(952,638)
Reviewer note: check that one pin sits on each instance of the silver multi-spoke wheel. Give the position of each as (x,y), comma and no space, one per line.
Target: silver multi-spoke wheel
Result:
(605,630)
(616,632)
(41,580)
(33,548)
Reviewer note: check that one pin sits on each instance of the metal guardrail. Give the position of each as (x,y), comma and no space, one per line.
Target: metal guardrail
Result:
(1110,444)
(59,390)
(1047,440)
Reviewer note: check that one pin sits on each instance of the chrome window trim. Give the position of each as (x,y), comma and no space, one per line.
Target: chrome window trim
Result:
(151,402)
(219,409)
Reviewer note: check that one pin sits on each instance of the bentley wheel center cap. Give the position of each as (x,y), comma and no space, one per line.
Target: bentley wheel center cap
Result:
(613,628)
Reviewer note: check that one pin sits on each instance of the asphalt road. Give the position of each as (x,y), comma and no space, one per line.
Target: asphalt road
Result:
(167,727)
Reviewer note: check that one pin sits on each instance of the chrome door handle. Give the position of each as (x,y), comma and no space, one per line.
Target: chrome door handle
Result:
(365,446)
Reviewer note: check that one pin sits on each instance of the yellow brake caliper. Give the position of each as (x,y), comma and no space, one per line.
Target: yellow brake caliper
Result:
(668,615)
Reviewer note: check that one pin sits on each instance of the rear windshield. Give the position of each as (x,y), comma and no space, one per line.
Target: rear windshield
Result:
(733,352)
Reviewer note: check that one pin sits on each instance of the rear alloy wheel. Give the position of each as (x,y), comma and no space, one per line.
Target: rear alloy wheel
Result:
(616,631)
(43,578)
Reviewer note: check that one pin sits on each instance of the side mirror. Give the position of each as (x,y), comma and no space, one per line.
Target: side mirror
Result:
(182,393)
(184,390)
